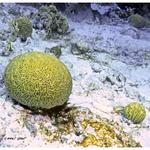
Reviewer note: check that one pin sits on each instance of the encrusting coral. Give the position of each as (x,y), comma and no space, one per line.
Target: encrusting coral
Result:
(38,80)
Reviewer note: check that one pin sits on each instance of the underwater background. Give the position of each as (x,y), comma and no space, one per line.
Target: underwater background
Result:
(74,75)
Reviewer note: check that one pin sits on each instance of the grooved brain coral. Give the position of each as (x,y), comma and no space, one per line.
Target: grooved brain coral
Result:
(38,80)
(135,112)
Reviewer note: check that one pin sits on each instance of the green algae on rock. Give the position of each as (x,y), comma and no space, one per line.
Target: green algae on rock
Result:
(56,51)
(135,112)
(79,48)
(21,27)
(38,80)
(78,126)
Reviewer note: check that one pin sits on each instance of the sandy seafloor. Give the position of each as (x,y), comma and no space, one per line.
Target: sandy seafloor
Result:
(119,52)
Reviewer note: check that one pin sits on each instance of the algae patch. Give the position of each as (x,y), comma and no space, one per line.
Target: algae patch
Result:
(78,126)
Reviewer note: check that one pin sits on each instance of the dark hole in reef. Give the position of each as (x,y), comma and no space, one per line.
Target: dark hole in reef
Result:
(23,39)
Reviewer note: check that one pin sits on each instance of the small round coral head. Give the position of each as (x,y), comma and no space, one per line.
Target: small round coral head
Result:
(21,27)
(135,112)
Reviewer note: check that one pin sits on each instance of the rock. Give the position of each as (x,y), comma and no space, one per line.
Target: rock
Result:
(140,8)
(2,130)
(5,53)
(56,50)
(14,11)
(7,50)
(2,68)
(131,32)
(102,58)
(124,13)
(2,46)
(103,12)
(112,77)
(72,8)
(79,48)
(4,35)
(96,67)
(2,88)
(103,8)
(31,127)
(131,92)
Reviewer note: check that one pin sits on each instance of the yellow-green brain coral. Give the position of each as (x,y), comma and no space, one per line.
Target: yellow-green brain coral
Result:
(38,80)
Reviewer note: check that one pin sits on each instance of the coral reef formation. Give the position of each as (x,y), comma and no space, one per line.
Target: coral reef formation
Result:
(135,112)
(138,21)
(38,80)
(51,20)
(21,27)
